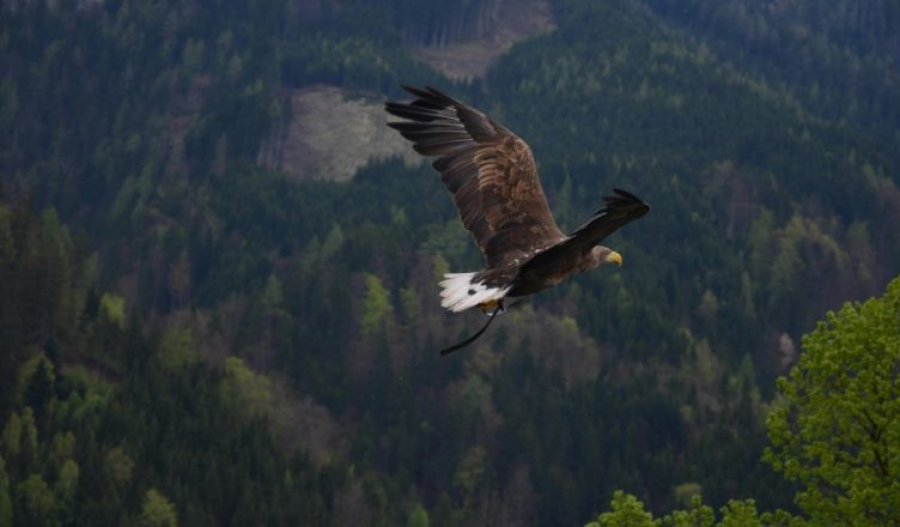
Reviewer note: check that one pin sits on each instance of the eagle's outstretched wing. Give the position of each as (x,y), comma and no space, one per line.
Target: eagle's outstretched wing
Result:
(621,208)
(490,171)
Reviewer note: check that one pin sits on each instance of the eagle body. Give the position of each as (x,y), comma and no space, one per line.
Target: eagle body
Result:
(538,274)
(493,178)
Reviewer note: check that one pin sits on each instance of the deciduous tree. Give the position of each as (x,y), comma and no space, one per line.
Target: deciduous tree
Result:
(838,431)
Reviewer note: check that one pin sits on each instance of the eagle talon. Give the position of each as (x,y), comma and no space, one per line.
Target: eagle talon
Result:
(490,306)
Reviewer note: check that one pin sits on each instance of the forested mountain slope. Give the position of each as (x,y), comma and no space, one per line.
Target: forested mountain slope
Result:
(189,334)
(840,59)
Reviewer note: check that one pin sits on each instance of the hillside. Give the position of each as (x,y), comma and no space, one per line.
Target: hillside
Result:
(330,134)
(219,272)
(503,24)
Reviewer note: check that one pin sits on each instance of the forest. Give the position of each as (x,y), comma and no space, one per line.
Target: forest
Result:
(191,336)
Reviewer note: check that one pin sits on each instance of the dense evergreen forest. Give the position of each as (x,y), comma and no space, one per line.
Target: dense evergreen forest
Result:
(188,337)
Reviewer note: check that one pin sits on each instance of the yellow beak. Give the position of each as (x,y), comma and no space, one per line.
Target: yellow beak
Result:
(615,258)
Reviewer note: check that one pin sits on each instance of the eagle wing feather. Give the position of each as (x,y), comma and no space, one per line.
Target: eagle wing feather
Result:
(489,170)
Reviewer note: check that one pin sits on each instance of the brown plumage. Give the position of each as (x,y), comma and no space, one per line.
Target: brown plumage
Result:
(495,185)
(489,170)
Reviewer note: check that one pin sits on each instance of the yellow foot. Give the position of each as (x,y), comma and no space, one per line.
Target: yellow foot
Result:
(490,306)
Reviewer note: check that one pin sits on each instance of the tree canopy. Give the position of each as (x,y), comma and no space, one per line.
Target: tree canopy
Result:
(834,430)
(178,315)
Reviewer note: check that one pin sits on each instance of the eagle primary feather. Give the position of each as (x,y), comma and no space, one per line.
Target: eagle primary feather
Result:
(490,171)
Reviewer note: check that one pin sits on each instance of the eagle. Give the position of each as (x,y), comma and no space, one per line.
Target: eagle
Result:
(492,175)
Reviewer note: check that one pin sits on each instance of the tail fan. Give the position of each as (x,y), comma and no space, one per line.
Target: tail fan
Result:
(460,291)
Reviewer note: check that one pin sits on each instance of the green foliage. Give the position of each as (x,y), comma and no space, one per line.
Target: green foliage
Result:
(418,517)
(834,431)
(626,510)
(157,511)
(766,145)
(35,381)
(377,307)
(74,446)
(818,51)
(37,504)
(247,391)
(697,515)
(740,513)
(837,429)
(67,483)
(176,349)
(66,490)
(687,493)
(119,467)
(471,470)
(113,308)
(20,438)
(6,506)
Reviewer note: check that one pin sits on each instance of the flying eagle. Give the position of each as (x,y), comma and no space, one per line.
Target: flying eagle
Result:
(494,181)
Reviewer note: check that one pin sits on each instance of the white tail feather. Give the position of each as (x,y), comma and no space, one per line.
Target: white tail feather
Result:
(458,293)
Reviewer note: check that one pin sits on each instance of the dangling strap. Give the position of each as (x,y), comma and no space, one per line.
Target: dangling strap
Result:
(474,337)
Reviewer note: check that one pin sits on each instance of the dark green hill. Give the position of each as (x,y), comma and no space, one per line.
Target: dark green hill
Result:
(261,349)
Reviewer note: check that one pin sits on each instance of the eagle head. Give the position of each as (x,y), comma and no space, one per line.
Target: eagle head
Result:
(603,255)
